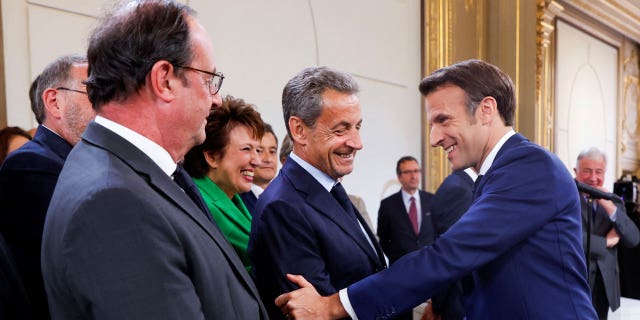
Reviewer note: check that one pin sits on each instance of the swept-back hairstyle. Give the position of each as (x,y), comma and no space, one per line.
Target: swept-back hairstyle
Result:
(478,79)
(302,95)
(128,42)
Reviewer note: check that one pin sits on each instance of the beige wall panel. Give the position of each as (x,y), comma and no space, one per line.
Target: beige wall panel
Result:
(378,40)
(259,46)
(586,93)
(54,33)
(86,7)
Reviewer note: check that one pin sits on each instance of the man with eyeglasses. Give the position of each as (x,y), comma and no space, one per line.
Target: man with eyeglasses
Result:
(404,218)
(29,175)
(127,234)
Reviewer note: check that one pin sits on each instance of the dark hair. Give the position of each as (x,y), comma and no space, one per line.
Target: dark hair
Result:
(269,129)
(403,160)
(285,148)
(5,136)
(302,95)
(478,79)
(233,112)
(55,74)
(129,41)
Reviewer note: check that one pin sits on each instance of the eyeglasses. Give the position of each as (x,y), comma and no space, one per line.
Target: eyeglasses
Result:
(410,171)
(67,89)
(214,83)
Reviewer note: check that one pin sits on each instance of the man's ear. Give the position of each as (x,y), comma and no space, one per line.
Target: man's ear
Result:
(162,81)
(51,101)
(488,108)
(298,129)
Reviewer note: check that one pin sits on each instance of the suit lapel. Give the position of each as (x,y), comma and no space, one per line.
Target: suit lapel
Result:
(426,228)
(323,202)
(106,139)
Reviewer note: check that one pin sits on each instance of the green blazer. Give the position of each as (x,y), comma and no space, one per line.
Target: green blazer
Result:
(231,215)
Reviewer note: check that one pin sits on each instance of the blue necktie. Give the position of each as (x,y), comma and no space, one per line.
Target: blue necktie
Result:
(184,181)
(340,194)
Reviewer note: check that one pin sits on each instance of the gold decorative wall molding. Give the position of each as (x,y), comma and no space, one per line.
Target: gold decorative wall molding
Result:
(629,133)
(443,23)
(546,14)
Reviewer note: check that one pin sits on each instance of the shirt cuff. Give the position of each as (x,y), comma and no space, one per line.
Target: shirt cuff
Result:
(346,304)
(614,215)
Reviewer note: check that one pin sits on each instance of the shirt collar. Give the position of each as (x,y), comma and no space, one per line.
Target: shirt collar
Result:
(154,151)
(492,155)
(324,179)
(471,173)
(406,196)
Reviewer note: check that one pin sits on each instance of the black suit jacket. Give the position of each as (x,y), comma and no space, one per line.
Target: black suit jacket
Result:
(299,228)
(395,230)
(123,241)
(14,303)
(450,202)
(603,259)
(27,179)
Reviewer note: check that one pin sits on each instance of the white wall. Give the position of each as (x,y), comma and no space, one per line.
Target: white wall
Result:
(586,95)
(259,45)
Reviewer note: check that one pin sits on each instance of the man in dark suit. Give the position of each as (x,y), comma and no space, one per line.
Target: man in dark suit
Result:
(122,240)
(609,226)
(520,240)
(404,218)
(450,202)
(305,222)
(29,175)
(399,231)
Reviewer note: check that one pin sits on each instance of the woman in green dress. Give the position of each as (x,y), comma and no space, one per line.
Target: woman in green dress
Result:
(223,167)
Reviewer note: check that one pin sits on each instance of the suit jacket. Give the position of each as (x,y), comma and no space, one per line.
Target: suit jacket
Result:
(450,202)
(14,303)
(397,237)
(123,241)
(605,259)
(230,215)
(300,228)
(249,199)
(520,240)
(27,179)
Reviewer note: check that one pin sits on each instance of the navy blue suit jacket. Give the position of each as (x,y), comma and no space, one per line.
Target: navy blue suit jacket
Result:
(520,240)
(249,199)
(299,228)
(451,201)
(27,179)
(123,241)
(397,237)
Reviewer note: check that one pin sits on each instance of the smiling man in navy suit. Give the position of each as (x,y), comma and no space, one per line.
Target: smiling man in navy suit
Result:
(305,222)
(29,175)
(521,239)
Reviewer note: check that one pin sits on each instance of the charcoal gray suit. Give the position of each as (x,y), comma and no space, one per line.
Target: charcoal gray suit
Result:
(123,241)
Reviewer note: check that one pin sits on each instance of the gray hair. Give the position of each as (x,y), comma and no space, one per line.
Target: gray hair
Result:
(302,95)
(56,74)
(592,153)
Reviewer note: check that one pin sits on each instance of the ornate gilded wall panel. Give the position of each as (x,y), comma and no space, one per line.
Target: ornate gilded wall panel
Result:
(452,31)
(630,113)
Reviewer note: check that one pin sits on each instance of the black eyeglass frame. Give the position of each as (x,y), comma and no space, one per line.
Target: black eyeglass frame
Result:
(67,89)
(213,75)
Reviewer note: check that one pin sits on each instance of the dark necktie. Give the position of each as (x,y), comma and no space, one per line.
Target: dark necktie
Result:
(475,185)
(413,215)
(340,194)
(185,182)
